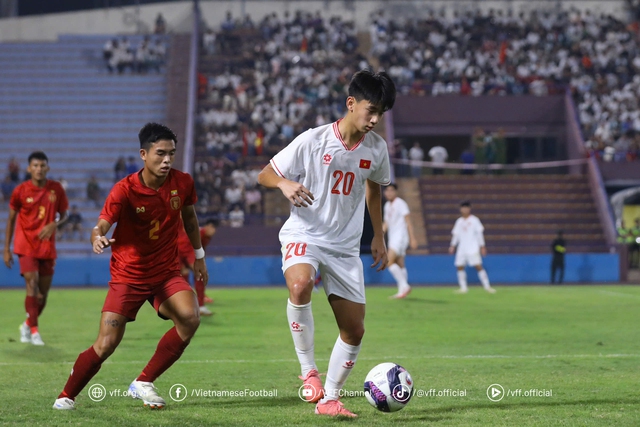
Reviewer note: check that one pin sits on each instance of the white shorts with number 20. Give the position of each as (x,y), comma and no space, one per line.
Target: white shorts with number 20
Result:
(342,275)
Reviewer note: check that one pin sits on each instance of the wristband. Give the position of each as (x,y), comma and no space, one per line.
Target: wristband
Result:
(199,253)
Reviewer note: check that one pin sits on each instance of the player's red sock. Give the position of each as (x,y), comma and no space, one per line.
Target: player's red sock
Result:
(87,365)
(41,305)
(169,350)
(31,305)
(200,292)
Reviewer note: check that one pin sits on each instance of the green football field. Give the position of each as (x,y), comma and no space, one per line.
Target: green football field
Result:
(565,356)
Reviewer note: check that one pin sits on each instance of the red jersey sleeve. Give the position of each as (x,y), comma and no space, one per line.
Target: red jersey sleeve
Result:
(116,201)
(204,239)
(15,202)
(63,206)
(191,197)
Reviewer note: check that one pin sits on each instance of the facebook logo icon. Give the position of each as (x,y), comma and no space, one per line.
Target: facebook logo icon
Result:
(178,392)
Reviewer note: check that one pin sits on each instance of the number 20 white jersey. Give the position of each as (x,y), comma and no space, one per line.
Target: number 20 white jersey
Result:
(336,176)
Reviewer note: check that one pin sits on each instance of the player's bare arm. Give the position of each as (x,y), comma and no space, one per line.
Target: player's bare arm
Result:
(297,193)
(190,221)
(374,203)
(483,250)
(48,230)
(413,242)
(99,240)
(8,235)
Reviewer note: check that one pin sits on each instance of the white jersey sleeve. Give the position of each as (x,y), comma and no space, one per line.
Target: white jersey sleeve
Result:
(403,209)
(290,161)
(382,173)
(479,232)
(455,233)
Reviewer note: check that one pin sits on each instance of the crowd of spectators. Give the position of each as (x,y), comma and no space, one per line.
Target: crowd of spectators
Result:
(119,55)
(283,76)
(596,56)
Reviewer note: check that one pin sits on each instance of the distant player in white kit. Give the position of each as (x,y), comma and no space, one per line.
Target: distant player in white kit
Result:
(327,173)
(397,225)
(468,238)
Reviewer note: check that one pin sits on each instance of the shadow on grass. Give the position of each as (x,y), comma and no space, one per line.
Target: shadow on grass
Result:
(425,301)
(515,405)
(246,402)
(18,353)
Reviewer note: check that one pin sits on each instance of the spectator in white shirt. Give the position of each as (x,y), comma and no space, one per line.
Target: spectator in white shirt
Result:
(438,156)
(416,155)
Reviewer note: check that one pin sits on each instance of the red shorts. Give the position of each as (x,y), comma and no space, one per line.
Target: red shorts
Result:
(29,264)
(126,299)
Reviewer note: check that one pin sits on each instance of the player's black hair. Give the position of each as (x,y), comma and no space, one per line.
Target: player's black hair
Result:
(395,186)
(154,132)
(377,88)
(560,232)
(465,203)
(38,155)
(213,222)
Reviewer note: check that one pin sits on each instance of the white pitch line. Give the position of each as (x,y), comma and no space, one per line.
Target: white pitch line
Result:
(444,356)
(619,294)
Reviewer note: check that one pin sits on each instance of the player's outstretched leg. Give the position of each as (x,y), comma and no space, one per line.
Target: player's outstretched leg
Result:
(182,309)
(204,311)
(462,280)
(88,363)
(29,332)
(350,318)
(484,279)
(300,281)
(396,270)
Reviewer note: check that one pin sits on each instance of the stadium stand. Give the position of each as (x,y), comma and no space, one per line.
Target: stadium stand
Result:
(521,214)
(59,98)
(541,53)
(261,85)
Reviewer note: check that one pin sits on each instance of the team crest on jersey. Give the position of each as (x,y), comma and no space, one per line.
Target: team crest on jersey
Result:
(175,203)
(365,164)
(140,209)
(326,159)
(29,199)
(52,196)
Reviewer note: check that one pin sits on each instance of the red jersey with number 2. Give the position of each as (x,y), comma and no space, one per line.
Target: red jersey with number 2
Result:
(145,250)
(36,208)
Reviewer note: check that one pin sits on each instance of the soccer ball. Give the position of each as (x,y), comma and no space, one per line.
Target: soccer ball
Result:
(388,387)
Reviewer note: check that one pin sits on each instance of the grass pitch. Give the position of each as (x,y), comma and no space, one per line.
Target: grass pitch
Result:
(580,344)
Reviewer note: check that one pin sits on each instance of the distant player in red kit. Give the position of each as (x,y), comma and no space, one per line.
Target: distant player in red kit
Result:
(149,207)
(35,204)
(187,258)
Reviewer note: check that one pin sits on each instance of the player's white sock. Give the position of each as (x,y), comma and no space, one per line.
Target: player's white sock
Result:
(301,325)
(396,272)
(405,275)
(462,280)
(484,278)
(343,359)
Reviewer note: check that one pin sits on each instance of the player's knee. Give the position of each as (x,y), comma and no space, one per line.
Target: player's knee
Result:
(105,346)
(189,324)
(353,336)
(301,287)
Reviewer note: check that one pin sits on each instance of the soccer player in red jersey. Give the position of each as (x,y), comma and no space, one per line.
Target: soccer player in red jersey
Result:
(187,257)
(35,204)
(149,206)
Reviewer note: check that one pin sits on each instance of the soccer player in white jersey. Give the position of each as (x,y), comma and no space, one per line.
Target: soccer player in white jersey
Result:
(467,236)
(327,173)
(397,225)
